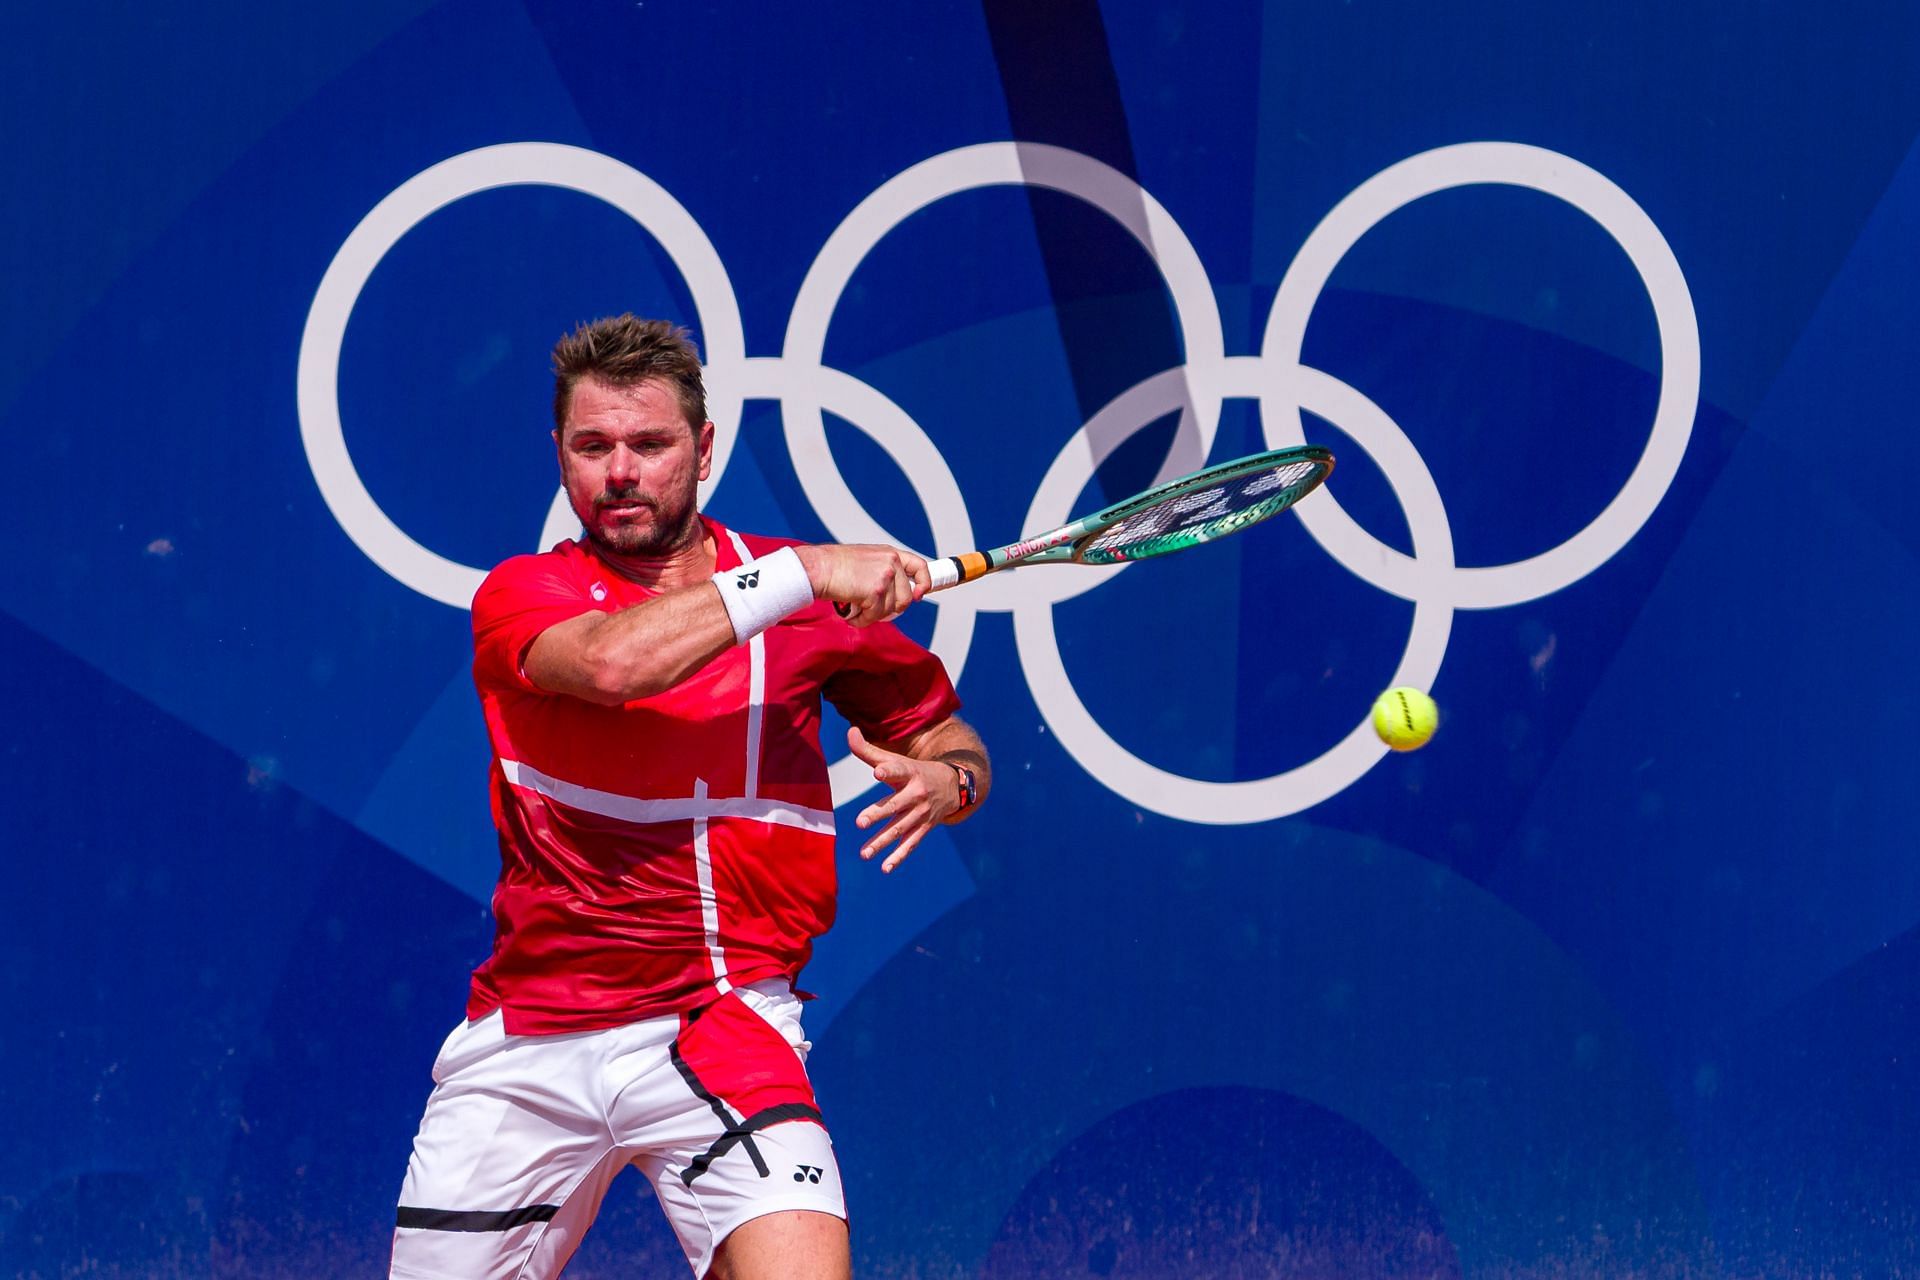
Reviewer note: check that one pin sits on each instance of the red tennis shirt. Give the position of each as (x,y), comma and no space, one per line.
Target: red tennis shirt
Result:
(656,854)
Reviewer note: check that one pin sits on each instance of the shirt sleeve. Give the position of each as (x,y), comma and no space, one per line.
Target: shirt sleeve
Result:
(889,687)
(518,601)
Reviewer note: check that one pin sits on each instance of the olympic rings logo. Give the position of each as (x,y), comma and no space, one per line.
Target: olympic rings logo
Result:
(806,388)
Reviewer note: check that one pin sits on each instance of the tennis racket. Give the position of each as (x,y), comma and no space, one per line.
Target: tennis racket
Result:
(1183,513)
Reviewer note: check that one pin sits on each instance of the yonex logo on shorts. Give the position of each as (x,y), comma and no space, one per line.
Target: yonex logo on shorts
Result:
(807,1173)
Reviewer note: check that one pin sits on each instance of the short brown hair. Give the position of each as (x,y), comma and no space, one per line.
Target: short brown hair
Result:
(623,351)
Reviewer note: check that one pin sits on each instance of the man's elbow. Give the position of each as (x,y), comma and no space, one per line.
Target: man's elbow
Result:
(612,679)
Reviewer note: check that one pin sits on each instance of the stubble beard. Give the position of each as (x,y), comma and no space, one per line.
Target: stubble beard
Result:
(673,527)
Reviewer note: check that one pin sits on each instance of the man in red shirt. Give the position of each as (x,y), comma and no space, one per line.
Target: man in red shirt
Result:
(652,692)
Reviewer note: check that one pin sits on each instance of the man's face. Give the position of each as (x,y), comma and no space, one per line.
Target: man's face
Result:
(632,466)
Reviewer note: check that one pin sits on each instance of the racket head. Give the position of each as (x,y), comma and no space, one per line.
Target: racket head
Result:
(1206,505)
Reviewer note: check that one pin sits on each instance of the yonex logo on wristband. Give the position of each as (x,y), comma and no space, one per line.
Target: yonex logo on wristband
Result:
(765,590)
(807,389)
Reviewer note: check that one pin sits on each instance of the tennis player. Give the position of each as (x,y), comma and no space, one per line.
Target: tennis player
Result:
(652,691)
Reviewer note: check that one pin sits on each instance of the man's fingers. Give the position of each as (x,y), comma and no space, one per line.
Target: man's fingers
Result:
(873,606)
(882,808)
(919,574)
(858,744)
(907,846)
(900,592)
(878,842)
(906,822)
(872,584)
(894,772)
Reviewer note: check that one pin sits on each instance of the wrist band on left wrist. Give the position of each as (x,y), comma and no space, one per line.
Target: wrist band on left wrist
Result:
(969,786)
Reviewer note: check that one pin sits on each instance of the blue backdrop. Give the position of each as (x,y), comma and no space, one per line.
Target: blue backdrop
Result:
(1607,310)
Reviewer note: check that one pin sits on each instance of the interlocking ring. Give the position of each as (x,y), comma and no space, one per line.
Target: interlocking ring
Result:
(511,164)
(806,388)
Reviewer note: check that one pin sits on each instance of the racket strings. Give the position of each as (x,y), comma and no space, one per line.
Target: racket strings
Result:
(1187,519)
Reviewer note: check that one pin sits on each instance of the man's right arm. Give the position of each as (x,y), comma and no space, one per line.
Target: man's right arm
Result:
(614,658)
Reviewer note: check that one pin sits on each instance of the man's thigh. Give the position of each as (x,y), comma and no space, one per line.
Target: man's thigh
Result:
(749,1143)
(785,1246)
(510,1163)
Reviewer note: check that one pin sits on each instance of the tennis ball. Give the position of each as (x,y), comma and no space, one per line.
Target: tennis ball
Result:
(1405,718)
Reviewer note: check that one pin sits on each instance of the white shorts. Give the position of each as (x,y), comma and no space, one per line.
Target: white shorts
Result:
(523,1134)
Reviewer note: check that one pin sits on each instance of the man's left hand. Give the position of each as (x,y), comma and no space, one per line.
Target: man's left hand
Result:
(924,793)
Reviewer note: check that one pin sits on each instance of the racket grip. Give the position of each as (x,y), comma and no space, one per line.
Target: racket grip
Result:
(945,573)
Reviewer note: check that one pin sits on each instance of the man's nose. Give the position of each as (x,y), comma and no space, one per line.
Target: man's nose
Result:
(623,466)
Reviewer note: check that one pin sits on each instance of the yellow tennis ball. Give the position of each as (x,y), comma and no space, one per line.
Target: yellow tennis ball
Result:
(1405,718)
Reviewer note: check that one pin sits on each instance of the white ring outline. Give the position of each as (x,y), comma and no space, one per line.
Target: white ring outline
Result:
(974,168)
(1260,799)
(1566,179)
(412,202)
(1284,387)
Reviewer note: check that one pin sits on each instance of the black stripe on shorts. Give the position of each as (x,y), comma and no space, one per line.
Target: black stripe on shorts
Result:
(474,1219)
(742,1134)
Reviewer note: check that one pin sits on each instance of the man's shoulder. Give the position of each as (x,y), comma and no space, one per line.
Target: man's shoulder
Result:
(538,571)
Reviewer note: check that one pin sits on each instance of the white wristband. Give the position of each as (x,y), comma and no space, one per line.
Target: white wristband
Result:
(761,592)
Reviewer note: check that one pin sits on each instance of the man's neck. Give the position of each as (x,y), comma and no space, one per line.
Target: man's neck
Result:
(692,562)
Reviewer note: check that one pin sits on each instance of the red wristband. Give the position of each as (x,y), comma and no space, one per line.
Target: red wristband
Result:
(969,789)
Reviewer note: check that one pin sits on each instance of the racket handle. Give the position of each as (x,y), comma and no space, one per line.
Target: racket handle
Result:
(957,569)
(945,573)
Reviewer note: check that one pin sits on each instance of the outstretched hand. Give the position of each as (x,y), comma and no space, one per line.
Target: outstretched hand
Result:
(924,793)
